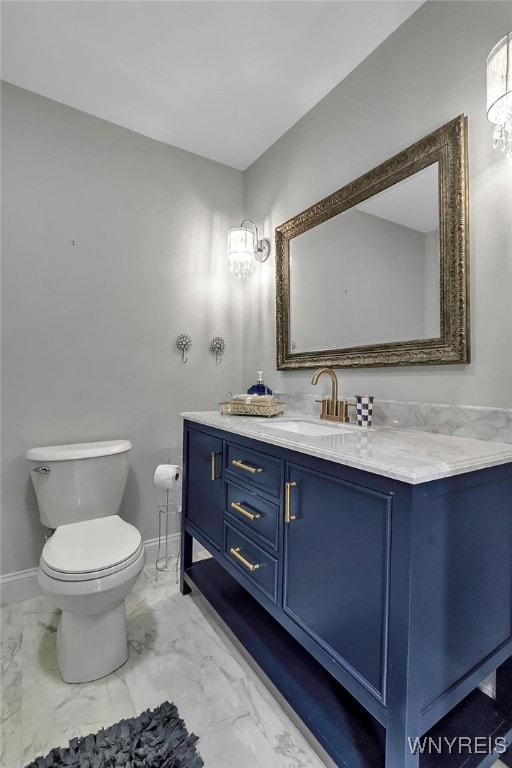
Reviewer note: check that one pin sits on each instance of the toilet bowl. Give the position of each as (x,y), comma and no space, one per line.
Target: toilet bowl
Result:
(87,567)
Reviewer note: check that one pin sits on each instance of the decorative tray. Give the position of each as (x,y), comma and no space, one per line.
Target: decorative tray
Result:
(249,409)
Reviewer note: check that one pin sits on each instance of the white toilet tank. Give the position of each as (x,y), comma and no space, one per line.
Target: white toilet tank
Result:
(79,482)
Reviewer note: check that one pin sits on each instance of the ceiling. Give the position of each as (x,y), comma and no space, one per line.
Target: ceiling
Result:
(224,79)
(412,202)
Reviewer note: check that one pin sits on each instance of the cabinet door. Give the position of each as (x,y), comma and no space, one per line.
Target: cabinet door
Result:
(204,485)
(336,569)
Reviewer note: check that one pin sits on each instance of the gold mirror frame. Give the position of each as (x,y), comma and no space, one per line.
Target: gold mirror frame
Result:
(446,146)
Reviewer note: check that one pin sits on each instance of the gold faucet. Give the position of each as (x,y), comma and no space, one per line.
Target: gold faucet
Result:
(333,409)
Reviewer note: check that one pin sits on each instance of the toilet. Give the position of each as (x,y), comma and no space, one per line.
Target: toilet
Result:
(93,558)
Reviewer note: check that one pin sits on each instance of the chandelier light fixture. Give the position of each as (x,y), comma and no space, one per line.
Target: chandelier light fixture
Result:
(244,247)
(499,93)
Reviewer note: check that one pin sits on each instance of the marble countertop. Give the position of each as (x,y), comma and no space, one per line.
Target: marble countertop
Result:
(402,454)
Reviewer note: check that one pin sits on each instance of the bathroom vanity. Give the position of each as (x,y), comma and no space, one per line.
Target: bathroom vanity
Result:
(369,575)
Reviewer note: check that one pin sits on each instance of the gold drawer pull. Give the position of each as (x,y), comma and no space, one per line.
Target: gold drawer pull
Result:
(235,551)
(240,464)
(213,475)
(236,505)
(288,488)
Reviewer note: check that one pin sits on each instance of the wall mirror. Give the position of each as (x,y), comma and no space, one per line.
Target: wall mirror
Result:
(376,274)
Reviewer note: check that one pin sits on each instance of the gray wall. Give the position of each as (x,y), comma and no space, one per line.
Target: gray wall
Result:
(428,72)
(343,285)
(431,283)
(112,245)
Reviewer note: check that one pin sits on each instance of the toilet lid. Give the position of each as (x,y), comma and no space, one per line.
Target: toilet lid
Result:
(91,546)
(78,451)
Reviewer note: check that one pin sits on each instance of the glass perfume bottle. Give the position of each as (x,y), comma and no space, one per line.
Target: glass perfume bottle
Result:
(260,388)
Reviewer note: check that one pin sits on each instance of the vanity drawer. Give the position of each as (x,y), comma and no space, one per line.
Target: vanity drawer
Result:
(253,512)
(258,567)
(258,469)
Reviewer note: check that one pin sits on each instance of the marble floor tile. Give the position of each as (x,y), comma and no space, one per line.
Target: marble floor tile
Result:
(53,711)
(177,653)
(284,738)
(10,692)
(237,742)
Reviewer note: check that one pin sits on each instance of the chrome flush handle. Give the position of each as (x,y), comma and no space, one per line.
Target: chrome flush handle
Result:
(41,470)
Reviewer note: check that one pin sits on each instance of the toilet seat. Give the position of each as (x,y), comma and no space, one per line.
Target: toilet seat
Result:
(90,575)
(91,549)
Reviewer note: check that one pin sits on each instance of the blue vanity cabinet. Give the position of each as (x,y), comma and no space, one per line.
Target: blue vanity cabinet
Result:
(260,470)
(375,606)
(202,507)
(336,569)
(259,516)
(252,518)
(258,569)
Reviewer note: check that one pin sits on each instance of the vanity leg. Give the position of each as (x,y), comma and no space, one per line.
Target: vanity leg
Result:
(504,700)
(403,740)
(400,746)
(402,728)
(185,560)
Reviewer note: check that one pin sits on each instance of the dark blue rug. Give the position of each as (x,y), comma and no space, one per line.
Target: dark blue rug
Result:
(156,738)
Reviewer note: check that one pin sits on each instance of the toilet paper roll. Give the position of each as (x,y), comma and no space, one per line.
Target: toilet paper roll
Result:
(168,476)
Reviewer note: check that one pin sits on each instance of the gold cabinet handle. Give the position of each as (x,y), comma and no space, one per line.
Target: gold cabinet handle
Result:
(213,475)
(236,505)
(241,465)
(288,488)
(235,551)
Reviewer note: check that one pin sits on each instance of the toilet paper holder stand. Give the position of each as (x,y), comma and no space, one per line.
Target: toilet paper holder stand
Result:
(166,509)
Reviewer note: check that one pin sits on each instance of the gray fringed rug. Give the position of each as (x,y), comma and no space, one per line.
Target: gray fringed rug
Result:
(154,739)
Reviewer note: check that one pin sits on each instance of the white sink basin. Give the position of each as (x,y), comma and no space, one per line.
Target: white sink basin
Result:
(307,428)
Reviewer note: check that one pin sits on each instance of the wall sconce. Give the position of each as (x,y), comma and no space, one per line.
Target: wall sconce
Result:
(244,247)
(499,93)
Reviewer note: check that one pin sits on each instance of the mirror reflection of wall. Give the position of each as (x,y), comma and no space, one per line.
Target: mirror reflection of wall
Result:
(370,274)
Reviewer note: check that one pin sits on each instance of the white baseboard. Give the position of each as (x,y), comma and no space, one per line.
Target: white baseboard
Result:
(151,547)
(18,586)
(23,585)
